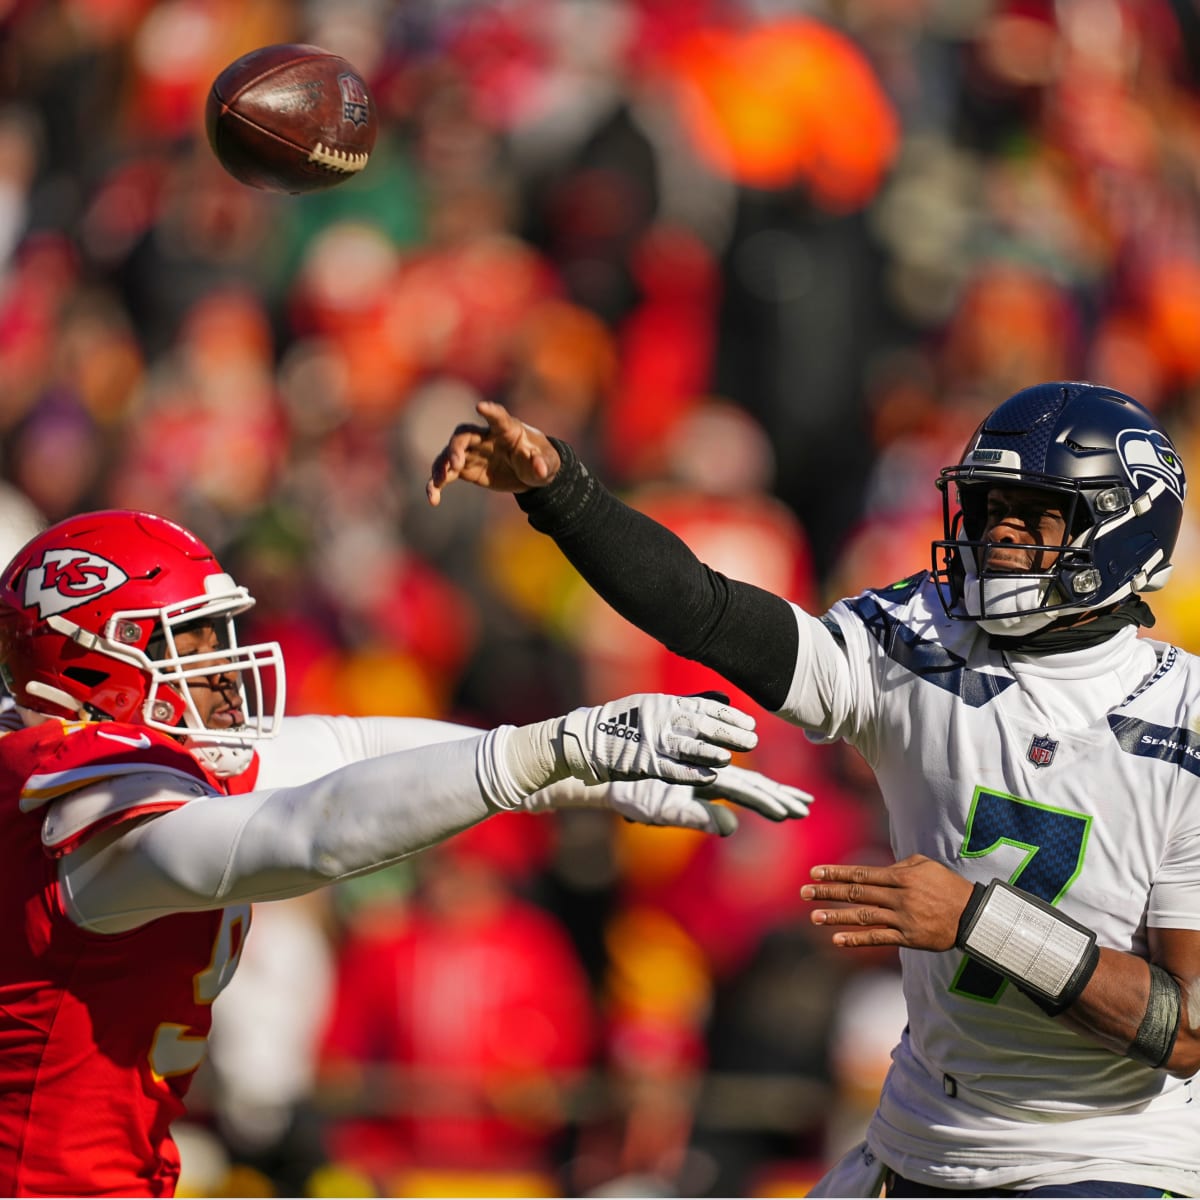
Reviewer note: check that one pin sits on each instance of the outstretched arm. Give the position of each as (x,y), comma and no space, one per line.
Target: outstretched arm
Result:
(1146,1010)
(310,746)
(220,850)
(638,566)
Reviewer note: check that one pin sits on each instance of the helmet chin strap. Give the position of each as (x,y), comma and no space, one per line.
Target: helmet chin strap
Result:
(1008,599)
(223,759)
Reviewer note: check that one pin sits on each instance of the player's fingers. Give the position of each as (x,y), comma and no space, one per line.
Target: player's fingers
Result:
(707,734)
(715,704)
(774,800)
(717,720)
(465,435)
(691,813)
(721,820)
(433,488)
(496,415)
(655,802)
(858,915)
(449,463)
(883,899)
(726,734)
(507,430)
(690,773)
(849,873)
(440,475)
(869,937)
(698,752)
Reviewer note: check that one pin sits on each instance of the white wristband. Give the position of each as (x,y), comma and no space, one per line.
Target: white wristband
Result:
(515,761)
(576,741)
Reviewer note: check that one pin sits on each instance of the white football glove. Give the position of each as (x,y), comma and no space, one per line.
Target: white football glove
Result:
(656,802)
(682,739)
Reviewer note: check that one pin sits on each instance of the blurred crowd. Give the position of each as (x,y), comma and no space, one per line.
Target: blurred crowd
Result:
(765,264)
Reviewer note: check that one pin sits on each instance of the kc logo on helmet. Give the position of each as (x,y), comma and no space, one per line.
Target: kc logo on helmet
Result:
(67,578)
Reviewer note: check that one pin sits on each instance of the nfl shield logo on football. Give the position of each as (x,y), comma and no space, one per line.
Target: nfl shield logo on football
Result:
(1041,751)
(355,102)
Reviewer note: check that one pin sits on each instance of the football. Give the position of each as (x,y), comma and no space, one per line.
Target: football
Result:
(291,118)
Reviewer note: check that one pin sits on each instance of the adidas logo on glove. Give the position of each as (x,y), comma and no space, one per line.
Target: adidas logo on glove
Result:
(682,739)
(625,726)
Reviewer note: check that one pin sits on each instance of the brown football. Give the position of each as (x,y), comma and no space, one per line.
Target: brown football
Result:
(291,118)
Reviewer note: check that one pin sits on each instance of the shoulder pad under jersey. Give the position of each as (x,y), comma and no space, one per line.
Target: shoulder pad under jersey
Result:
(52,759)
(63,769)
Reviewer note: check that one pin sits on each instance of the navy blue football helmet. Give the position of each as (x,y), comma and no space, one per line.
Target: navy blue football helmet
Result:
(1123,489)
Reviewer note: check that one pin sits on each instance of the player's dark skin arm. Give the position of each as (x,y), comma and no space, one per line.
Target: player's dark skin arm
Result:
(917,902)
(750,637)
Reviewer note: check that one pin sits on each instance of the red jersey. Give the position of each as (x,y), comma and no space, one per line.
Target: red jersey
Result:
(100,1034)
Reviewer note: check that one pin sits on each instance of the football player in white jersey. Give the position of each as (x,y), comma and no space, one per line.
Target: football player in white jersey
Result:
(1040,763)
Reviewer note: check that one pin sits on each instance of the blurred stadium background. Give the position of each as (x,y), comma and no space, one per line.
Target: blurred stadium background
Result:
(765,264)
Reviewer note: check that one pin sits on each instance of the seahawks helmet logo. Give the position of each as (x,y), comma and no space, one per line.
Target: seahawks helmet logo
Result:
(1147,455)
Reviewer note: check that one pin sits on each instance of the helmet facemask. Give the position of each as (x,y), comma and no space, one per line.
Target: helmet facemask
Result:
(1074,581)
(147,639)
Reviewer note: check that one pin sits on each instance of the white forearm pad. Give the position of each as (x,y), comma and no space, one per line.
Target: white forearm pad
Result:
(514,761)
(1047,954)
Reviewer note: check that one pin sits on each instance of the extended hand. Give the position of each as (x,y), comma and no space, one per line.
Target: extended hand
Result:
(655,802)
(682,739)
(914,903)
(506,455)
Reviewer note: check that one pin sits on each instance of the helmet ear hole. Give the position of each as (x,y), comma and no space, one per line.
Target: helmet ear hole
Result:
(973,501)
(89,678)
(1081,520)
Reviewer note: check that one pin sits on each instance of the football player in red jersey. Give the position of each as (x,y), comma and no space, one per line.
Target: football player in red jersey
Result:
(149,793)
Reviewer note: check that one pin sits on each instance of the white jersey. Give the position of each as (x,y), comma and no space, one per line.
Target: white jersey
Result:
(1075,776)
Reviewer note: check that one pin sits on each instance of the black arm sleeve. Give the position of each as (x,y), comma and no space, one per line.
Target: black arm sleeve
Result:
(654,581)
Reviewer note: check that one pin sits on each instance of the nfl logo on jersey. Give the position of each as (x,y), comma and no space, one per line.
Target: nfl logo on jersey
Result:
(1041,751)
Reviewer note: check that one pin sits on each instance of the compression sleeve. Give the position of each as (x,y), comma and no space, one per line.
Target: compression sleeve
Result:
(275,843)
(653,580)
(310,745)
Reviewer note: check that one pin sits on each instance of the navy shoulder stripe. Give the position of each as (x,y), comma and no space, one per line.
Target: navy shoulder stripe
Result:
(834,628)
(1147,740)
(929,661)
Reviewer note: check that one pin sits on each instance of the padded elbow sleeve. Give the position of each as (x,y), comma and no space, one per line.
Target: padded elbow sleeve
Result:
(1155,1038)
